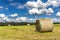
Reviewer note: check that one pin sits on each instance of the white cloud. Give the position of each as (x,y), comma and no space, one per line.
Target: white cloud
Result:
(5,18)
(54,3)
(38,7)
(56,0)
(31,20)
(58,14)
(55,19)
(41,11)
(38,4)
(2,15)
(48,2)
(11,20)
(25,19)
(1,7)
(50,10)
(14,15)
(21,19)
(34,11)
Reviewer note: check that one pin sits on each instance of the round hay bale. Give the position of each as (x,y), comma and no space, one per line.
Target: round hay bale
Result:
(28,24)
(9,25)
(44,25)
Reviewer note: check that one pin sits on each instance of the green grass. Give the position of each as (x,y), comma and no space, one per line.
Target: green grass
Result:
(28,33)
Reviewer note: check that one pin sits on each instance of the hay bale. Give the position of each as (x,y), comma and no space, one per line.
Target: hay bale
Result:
(28,24)
(44,25)
(9,25)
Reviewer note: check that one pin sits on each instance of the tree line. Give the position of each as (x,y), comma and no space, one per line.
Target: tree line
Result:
(14,23)
(19,23)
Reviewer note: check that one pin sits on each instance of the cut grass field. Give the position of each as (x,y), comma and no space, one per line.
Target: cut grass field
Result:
(28,33)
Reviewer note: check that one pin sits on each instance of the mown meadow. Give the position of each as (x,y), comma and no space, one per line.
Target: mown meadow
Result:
(26,32)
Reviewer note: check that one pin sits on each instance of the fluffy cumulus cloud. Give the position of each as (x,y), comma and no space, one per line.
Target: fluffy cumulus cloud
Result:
(41,11)
(54,3)
(39,7)
(58,14)
(38,4)
(3,17)
(33,11)
(23,18)
(14,15)
(50,10)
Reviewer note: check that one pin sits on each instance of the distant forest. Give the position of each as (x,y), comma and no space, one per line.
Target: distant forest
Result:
(19,23)
(14,23)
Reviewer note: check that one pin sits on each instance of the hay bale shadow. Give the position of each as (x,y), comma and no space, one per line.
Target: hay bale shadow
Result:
(43,31)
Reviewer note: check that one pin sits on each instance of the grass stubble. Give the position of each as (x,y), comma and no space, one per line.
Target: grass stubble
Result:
(28,33)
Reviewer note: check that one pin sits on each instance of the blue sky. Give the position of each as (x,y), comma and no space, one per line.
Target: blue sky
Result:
(29,10)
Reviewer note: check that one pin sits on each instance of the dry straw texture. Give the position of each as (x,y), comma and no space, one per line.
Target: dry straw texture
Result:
(44,25)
